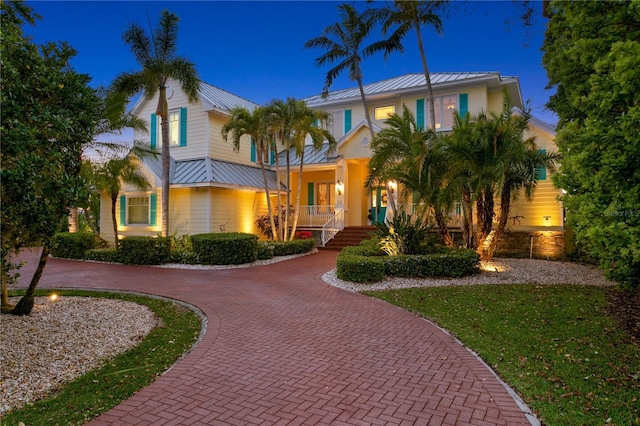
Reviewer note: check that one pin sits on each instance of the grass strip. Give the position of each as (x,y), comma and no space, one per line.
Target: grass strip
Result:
(102,389)
(555,345)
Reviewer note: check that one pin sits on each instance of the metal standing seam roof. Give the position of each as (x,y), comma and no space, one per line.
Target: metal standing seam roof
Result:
(214,173)
(311,156)
(403,82)
(222,100)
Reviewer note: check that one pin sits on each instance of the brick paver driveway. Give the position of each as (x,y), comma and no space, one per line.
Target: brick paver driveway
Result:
(282,347)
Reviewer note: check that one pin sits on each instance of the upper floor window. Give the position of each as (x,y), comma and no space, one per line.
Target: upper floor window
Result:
(177,128)
(384,112)
(444,107)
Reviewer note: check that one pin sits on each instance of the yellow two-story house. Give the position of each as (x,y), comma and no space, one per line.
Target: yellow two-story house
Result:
(214,188)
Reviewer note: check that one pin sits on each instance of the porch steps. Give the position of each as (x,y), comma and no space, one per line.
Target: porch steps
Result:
(349,236)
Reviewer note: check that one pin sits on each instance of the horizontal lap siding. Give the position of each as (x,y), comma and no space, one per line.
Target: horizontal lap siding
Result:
(235,209)
(221,150)
(188,209)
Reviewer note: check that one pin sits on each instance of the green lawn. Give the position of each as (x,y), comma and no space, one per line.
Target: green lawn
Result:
(555,345)
(99,390)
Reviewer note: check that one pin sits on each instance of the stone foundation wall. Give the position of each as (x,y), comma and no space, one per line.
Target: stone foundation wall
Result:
(537,244)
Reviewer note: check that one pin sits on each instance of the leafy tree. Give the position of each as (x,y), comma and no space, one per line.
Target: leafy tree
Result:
(159,62)
(49,114)
(110,175)
(256,125)
(413,15)
(343,42)
(592,58)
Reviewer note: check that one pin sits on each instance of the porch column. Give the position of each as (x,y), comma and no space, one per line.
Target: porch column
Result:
(341,183)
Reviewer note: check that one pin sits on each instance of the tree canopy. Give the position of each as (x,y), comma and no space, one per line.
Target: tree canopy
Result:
(592,58)
(49,114)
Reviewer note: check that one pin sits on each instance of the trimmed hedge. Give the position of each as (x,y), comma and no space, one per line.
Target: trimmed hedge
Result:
(103,255)
(363,264)
(265,251)
(227,248)
(73,245)
(287,248)
(144,250)
(184,257)
(360,269)
(454,263)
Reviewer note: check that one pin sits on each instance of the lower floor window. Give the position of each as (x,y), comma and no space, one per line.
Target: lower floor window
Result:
(138,210)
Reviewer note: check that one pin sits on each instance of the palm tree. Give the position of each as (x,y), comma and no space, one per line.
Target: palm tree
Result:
(343,44)
(159,62)
(291,121)
(109,176)
(254,124)
(412,15)
(414,158)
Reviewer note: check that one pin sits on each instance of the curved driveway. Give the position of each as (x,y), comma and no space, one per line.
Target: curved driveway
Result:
(282,347)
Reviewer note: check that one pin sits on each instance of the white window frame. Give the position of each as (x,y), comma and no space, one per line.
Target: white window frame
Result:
(140,196)
(174,112)
(440,110)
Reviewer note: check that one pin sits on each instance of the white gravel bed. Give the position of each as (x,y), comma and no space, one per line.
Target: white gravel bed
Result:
(62,340)
(498,271)
(242,265)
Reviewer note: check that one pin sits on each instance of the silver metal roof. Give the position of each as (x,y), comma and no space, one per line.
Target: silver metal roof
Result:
(216,98)
(213,173)
(311,156)
(405,82)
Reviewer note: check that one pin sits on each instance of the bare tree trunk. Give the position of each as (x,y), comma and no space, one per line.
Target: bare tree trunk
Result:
(484,205)
(278,192)
(73,219)
(467,219)
(87,216)
(25,305)
(163,111)
(114,199)
(274,229)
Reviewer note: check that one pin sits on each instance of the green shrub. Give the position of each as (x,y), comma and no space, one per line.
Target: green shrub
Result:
(404,235)
(144,250)
(227,248)
(72,245)
(360,269)
(453,263)
(265,250)
(184,257)
(103,255)
(368,247)
(287,248)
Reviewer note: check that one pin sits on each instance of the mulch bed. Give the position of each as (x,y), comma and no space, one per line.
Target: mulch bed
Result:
(624,306)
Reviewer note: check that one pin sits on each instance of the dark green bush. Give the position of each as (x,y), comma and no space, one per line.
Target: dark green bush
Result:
(72,245)
(103,255)
(184,257)
(265,250)
(287,248)
(452,263)
(227,248)
(144,250)
(360,269)
(368,247)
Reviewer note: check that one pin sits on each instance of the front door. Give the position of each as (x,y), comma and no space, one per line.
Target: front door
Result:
(378,205)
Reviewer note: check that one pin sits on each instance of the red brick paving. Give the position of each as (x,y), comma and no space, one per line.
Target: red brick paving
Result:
(284,348)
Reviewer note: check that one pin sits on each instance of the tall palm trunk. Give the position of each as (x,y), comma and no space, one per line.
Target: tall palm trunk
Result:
(367,116)
(505,206)
(274,229)
(427,77)
(298,196)
(467,219)
(278,191)
(163,112)
(441,223)
(114,199)
(288,198)
(25,305)
(485,206)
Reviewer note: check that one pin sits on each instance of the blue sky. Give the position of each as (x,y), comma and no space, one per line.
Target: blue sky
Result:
(255,49)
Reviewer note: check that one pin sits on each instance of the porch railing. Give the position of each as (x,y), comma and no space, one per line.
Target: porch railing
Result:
(455,215)
(315,216)
(331,227)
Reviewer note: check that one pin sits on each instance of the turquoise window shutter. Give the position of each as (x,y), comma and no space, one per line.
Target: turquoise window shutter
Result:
(183,127)
(123,210)
(310,188)
(464,104)
(541,172)
(420,114)
(253,150)
(154,131)
(347,120)
(272,159)
(153,209)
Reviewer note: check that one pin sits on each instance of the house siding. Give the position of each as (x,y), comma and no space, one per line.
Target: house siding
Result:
(221,150)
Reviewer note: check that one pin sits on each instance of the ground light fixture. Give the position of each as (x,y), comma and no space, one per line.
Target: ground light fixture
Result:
(53,297)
